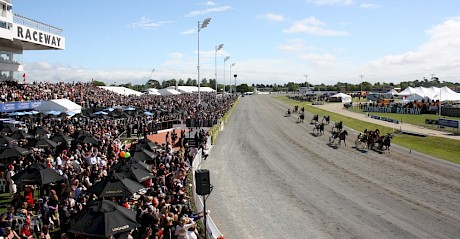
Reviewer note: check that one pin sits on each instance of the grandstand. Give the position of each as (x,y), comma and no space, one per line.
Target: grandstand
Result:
(19,33)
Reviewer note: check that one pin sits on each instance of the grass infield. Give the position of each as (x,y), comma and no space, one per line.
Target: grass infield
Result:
(443,148)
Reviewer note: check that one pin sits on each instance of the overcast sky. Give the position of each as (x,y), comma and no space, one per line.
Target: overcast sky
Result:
(270,41)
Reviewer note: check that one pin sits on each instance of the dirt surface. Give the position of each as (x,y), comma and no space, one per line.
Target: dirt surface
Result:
(273,178)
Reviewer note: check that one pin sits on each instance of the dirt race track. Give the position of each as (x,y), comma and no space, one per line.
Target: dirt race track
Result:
(273,179)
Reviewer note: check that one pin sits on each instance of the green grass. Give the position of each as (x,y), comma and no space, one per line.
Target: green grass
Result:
(443,148)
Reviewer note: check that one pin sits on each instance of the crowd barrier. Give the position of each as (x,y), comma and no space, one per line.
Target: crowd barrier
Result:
(211,230)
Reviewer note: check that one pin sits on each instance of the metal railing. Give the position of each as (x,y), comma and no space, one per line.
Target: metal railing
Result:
(36,24)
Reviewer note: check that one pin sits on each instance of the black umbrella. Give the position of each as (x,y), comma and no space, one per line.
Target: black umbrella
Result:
(14,151)
(61,137)
(142,155)
(88,139)
(21,135)
(9,129)
(39,131)
(5,140)
(37,174)
(115,185)
(42,143)
(132,170)
(147,144)
(103,219)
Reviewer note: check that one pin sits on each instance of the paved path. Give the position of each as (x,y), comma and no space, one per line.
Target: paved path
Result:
(338,108)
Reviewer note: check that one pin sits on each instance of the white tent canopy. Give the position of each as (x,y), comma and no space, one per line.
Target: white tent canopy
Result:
(168,92)
(446,94)
(345,98)
(153,91)
(191,89)
(122,90)
(432,93)
(59,105)
(392,92)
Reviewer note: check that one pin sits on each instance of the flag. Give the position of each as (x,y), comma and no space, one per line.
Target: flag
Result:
(24,77)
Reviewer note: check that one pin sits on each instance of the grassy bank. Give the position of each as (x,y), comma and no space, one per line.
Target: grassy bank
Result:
(438,147)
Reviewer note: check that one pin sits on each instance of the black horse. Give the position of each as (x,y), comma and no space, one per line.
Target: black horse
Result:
(386,142)
(319,129)
(314,119)
(337,126)
(301,118)
(288,113)
(340,135)
(326,119)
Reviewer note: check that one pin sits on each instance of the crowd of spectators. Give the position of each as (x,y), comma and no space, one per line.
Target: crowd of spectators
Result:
(163,211)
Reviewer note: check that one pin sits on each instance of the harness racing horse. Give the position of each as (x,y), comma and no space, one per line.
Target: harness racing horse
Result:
(326,119)
(340,135)
(314,119)
(296,109)
(337,126)
(386,142)
(288,113)
(319,129)
(301,118)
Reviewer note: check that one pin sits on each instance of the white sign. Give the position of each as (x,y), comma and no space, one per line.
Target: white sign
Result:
(39,37)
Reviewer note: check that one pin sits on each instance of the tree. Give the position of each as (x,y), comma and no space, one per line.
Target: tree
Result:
(181,82)
(98,83)
(153,84)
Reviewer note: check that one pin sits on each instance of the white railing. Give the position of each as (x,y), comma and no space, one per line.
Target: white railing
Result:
(212,230)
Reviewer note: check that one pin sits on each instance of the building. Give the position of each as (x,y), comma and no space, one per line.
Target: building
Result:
(18,33)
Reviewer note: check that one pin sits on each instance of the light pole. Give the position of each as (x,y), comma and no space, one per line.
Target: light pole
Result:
(361,86)
(218,48)
(235,82)
(203,25)
(225,59)
(231,65)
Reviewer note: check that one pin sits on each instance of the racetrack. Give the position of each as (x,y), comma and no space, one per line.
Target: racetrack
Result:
(273,179)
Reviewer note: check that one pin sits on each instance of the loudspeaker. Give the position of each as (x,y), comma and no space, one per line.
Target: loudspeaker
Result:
(203,186)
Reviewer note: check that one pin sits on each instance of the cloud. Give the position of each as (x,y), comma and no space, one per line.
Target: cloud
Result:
(313,26)
(175,55)
(368,5)
(440,55)
(295,45)
(208,3)
(272,17)
(207,11)
(188,31)
(331,2)
(326,59)
(146,23)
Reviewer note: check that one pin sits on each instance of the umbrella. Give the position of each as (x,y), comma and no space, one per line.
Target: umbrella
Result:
(15,151)
(9,129)
(42,143)
(39,131)
(132,170)
(147,144)
(21,135)
(38,174)
(143,155)
(61,137)
(103,219)
(115,185)
(88,139)
(5,140)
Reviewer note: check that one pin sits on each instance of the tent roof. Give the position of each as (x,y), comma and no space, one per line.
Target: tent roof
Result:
(59,105)
(121,90)
(434,93)
(153,91)
(168,92)
(191,89)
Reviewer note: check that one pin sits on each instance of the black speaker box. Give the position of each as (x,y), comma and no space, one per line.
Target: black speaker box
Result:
(203,186)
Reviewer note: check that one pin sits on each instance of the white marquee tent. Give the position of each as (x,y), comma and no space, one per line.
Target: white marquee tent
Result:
(191,89)
(432,93)
(345,98)
(59,105)
(153,91)
(168,92)
(122,90)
